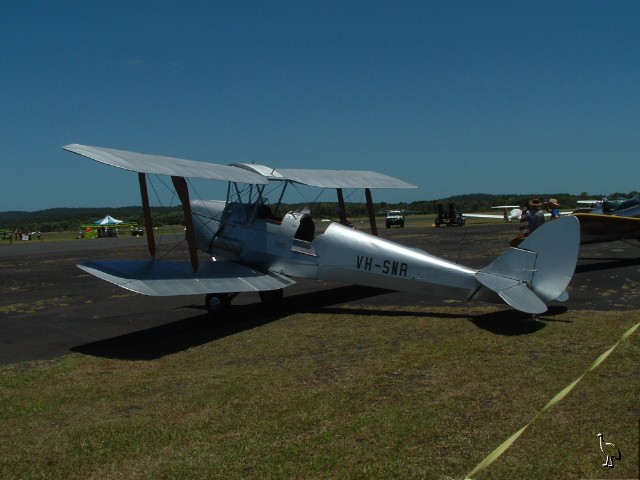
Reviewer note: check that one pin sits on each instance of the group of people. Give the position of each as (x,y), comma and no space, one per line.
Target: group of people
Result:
(532,215)
(18,235)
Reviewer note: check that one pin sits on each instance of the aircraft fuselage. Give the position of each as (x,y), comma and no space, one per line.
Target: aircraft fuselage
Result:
(288,246)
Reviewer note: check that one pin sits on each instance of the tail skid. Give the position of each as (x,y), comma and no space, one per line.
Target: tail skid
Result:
(538,270)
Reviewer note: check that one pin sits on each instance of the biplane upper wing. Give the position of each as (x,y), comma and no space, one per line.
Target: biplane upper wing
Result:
(327,178)
(236,172)
(602,228)
(159,165)
(167,277)
(342,178)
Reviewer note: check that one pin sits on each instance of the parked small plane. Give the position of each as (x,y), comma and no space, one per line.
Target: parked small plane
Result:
(251,248)
(600,220)
(610,220)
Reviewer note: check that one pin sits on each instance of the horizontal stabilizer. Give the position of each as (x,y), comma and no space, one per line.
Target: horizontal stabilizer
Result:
(166,278)
(514,292)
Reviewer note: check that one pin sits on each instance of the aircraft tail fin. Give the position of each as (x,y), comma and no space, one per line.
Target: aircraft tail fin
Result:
(538,270)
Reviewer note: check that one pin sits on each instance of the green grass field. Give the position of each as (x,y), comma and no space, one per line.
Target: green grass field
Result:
(340,393)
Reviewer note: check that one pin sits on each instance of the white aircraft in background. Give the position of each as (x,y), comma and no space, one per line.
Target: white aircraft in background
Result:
(509,213)
(250,247)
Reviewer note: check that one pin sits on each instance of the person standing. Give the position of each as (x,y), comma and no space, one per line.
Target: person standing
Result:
(554,208)
(536,217)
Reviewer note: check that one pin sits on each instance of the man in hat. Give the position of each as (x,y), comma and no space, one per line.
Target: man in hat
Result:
(536,217)
(554,208)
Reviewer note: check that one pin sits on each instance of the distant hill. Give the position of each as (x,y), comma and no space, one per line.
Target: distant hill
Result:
(61,219)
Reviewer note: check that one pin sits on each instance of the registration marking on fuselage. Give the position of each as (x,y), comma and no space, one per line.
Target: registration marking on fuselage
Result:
(386,267)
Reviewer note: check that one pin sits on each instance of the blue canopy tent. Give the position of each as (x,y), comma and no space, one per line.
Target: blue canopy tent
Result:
(108,221)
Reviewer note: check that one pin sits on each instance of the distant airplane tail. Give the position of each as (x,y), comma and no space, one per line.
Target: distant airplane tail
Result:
(538,270)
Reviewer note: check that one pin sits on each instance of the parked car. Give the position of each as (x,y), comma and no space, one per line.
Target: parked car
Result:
(395,217)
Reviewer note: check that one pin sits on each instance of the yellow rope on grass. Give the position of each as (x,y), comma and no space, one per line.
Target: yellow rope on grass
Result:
(559,396)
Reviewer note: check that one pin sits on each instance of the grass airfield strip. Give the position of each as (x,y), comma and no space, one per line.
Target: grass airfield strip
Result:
(386,387)
(397,393)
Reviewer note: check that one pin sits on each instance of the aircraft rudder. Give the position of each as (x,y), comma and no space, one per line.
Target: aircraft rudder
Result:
(543,265)
(557,245)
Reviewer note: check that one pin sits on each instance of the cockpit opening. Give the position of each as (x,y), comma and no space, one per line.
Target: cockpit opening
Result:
(306,230)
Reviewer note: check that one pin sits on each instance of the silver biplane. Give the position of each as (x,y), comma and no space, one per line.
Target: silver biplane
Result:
(250,248)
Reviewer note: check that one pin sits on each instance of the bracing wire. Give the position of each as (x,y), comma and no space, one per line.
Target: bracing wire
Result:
(274,188)
(350,194)
(173,196)
(304,197)
(197,194)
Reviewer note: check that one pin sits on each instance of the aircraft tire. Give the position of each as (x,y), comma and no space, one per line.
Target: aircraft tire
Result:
(217,303)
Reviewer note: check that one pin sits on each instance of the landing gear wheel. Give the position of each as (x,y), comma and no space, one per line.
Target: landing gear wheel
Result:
(217,303)
(272,298)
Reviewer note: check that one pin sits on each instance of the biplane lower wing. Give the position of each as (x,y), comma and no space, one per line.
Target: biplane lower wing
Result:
(167,278)
(602,228)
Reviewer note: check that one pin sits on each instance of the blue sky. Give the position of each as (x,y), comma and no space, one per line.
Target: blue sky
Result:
(454,96)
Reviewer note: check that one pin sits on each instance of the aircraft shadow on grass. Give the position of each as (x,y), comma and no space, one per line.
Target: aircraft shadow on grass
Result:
(157,342)
(513,323)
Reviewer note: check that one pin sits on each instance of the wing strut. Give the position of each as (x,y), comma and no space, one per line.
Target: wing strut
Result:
(146,208)
(372,215)
(182,190)
(342,211)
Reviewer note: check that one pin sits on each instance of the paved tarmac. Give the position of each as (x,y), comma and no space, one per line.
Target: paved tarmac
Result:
(49,307)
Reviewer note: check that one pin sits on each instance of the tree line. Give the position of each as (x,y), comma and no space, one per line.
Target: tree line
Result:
(65,219)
